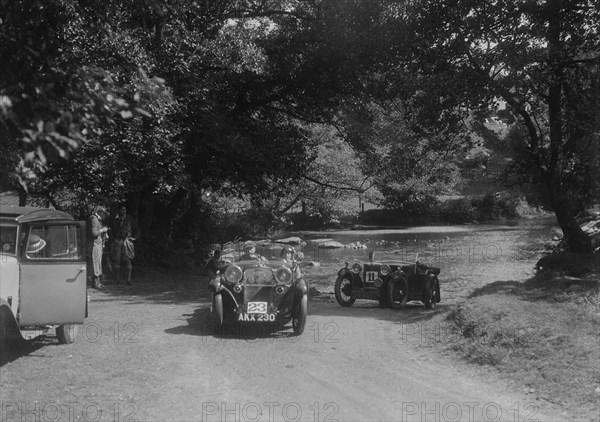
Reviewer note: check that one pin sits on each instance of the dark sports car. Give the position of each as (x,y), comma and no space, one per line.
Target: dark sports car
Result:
(390,281)
(259,290)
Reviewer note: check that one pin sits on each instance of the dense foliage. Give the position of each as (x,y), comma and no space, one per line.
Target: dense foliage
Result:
(193,112)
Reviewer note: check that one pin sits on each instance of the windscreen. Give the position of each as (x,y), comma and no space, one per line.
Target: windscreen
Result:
(8,237)
(55,243)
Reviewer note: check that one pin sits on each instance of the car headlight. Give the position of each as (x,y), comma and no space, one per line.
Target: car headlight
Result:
(356,268)
(283,275)
(378,282)
(233,274)
(385,269)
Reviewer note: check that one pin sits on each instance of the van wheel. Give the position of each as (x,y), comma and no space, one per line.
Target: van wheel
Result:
(66,333)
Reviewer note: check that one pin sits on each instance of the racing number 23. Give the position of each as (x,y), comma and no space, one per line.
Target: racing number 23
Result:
(257,307)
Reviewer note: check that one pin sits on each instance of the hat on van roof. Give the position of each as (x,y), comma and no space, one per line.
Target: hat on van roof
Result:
(35,243)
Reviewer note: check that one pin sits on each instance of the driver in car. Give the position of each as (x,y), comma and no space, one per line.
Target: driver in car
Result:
(287,253)
(250,252)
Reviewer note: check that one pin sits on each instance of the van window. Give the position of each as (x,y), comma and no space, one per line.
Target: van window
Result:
(54,243)
(8,238)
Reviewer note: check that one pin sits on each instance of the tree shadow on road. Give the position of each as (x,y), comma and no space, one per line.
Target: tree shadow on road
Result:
(325,305)
(200,324)
(159,286)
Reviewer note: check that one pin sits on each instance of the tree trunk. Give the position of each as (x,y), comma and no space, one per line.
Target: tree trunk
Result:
(22,196)
(575,239)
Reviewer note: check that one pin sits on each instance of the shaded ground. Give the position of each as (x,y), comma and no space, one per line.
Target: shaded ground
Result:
(148,353)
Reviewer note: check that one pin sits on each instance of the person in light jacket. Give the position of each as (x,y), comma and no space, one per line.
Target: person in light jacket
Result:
(96,237)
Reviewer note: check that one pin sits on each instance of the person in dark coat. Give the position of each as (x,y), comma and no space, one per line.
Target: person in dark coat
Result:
(125,231)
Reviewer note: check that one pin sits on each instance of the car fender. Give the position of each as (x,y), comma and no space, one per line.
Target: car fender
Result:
(215,285)
(9,328)
(343,272)
(302,286)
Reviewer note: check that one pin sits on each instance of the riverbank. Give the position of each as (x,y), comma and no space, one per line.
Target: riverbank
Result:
(540,335)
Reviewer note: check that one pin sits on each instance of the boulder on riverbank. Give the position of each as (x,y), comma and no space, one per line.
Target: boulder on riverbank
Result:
(294,241)
(332,244)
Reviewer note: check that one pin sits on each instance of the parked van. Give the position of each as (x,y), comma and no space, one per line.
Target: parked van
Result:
(42,273)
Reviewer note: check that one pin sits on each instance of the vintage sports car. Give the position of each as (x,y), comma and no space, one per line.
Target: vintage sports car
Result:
(254,289)
(390,281)
(42,274)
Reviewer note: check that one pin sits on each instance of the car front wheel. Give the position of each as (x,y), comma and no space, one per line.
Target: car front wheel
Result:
(299,317)
(398,292)
(343,291)
(432,292)
(66,333)
(217,313)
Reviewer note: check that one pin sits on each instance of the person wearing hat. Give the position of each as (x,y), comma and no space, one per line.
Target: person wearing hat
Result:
(250,252)
(287,253)
(96,235)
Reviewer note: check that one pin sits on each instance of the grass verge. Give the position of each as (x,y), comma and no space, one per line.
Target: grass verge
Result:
(543,334)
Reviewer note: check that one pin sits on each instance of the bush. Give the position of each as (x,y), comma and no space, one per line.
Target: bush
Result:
(495,206)
(457,211)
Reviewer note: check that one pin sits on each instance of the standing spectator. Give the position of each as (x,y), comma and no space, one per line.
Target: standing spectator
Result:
(96,236)
(125,232)
(213,263)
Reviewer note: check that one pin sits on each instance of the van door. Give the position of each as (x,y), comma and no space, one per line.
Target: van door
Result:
(53,273)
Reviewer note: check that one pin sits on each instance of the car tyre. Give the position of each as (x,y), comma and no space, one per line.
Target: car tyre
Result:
(398,292)
(217,313)
(432,292)
(66,333)
(344,299)
(299,317)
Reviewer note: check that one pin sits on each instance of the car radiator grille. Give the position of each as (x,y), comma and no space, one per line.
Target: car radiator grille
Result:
(259,276)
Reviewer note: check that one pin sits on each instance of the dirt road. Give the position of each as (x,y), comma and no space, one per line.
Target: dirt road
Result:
(147,354)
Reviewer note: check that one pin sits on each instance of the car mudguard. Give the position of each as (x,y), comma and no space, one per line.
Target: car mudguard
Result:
(9,328)
(302,286)
(343,272)
(215,285)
